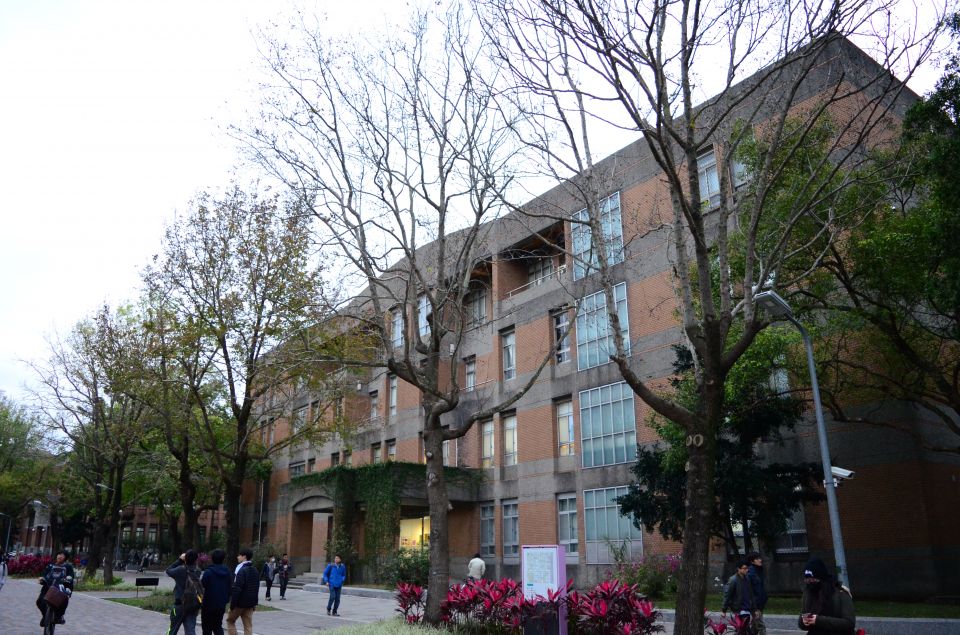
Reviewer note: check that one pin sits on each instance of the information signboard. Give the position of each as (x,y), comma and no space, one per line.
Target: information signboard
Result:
(543,569)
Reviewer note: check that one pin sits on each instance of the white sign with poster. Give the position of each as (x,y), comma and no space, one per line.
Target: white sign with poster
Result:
(543,569)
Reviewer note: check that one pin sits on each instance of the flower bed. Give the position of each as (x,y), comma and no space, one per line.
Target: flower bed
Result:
(28,564)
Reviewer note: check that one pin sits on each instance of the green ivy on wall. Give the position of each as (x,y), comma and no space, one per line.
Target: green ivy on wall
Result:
(378,488)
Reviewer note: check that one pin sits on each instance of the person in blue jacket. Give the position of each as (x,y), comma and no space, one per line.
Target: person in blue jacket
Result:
(334,576)
(216,593)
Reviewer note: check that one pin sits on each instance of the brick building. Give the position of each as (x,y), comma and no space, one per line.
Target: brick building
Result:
(552,467)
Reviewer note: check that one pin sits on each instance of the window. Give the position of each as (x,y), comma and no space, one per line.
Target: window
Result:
(392,380)
(470,373)
(510,439)
(594,337)
(541,267)
(376,453)
(511,529)
(311,466)
(396,330)
(152,535)
(488,540)
(508,344)
(451,452)
(567,523)
(296,469)
(585,259)
(140,529)
(794,539)
(392,450)
(299,419)
(565,432)
(561,336)
(486,444)
(741,173)
(203,535)
(348,458)
(476,302)
(335,459)
(709,179)
(605,526)
(423,311)
(374,404)
(608,430)
(780,378)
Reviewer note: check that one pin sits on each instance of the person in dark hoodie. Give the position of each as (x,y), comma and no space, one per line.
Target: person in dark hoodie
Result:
(184,572)
(216,593)
(755,575)
(827,606)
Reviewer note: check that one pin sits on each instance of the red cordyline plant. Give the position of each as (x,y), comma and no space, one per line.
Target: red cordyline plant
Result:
(498,606)
(28,564)
(733,625)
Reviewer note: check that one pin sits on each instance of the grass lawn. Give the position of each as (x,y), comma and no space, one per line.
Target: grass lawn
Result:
(390,627)
(162,602)
(865,608)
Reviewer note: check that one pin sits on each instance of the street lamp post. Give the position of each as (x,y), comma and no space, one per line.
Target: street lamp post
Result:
(776,306)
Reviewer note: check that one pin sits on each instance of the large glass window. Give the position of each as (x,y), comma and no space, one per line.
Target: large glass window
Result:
(608,429)
(709,179)
(565,432)
(376,453)
(567,522)
(605,526)
(488,539)
(585,258)
(486,444)
(423,310)
(392,450)
(508,344)
(392,382)
(299,419)
(794,539)
(511,529)
(561,336)
(396,330)
(539,270)
(594,336)
(510,439)
(451,451)
(297,469)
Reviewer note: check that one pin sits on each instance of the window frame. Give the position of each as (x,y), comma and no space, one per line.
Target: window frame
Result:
(374,404)
(564,520)
(470,373)
(595,341)
(597,548)
(508,354)
(510,528)
(599,403)
(585,260)
(393,387)
(510,450)
(396,327)
(487,441)
(708,173)
(561,336)
(423,310)
(565,447)
(488,531)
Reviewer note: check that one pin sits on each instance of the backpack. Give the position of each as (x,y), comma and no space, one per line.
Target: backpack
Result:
(192,592)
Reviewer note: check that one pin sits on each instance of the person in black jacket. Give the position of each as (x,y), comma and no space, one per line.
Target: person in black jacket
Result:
(827,606)
(244,594)
(755,575)
(740,595)
(60,571)
(216,593)
(184,567)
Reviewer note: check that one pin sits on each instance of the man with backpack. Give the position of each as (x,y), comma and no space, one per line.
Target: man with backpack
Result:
(334,575)
(187,593)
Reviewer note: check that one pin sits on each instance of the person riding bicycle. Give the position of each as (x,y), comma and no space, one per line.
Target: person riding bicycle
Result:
(59,572)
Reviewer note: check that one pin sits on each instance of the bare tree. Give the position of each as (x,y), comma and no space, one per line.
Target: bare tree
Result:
(85,395)
(402,157)
(785,78)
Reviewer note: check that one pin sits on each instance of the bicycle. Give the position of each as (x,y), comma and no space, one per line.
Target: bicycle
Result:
(57,593)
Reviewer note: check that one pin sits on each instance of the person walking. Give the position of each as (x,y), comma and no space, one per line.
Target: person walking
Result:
(187,593)
(216,593)
(740,594)
(827,606)
(267,574)
(144,562)
(334,575)
(244,593)
(476,568)
(284,571)
(756,577)
(3,570)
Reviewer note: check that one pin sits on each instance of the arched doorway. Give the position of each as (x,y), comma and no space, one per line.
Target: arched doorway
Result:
(310,519)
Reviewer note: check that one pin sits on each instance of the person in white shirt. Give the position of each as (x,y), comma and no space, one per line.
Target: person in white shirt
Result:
(476,568)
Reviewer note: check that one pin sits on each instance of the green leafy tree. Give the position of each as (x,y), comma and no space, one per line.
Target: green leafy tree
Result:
(25,465)
(751,492)
(894,295)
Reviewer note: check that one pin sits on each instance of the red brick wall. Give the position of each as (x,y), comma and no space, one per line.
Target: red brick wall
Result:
(538,522)
(536,434)
(464,528)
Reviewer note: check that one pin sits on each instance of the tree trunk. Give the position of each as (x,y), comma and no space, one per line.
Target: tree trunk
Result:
(231,504)
(96,553)
(747,539)
(699,504)
(176,539)
(438,501)
(110,540)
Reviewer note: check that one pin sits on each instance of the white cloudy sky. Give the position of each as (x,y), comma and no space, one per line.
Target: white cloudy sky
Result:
(112,115)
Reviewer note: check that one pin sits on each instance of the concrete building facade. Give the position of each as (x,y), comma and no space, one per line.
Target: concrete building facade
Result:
(552,467)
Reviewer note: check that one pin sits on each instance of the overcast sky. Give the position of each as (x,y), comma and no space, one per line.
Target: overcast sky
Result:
(112,115)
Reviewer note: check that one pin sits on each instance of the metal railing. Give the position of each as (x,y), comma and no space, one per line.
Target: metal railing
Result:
(556,273)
